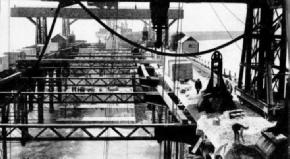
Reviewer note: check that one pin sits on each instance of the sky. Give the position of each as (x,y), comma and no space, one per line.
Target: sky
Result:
(19,32)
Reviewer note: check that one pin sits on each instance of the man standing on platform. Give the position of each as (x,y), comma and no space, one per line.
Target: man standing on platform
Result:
(198,85)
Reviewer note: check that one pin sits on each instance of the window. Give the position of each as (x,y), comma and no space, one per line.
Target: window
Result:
(191,46)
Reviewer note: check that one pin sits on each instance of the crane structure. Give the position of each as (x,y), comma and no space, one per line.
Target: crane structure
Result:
(261,83)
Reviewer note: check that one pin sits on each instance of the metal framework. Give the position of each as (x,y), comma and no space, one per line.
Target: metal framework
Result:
(70,13)
(263,61)
(66,132)
(80,97)
(91,82)
(86,70)
(88,62)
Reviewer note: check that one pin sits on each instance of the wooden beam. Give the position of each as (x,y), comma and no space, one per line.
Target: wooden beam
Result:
(78,13)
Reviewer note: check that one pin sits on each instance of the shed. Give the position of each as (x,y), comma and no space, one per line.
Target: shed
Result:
(61,40)
(188,45)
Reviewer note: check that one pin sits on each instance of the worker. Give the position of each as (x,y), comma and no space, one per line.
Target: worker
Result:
(229,87)
(198,86)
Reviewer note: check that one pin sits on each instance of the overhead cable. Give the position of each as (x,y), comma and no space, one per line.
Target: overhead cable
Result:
(150,50)
(233,14)
(223,25)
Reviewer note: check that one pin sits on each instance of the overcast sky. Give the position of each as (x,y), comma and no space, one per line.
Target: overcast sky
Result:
(197,17)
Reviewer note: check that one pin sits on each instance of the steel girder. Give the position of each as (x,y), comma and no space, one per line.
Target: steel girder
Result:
(66,132)
(106,71)
(263,61)
(91,82)
(81,97)
(79,13)
(73,61)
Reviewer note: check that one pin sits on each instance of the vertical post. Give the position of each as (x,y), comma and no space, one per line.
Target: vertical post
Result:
(44,29)
(32,89)
(160,114)
(134,83)
(63,26)
(176,150)
(38,31)
(246,52)
(4,142)
(287,12)
(51,90)
(166,33)
(283,54)
(266,56)
(67,27)
(23,115)
(153,113)
(58,75)
(17,110)
(5,118)
(181,154)
(40,88)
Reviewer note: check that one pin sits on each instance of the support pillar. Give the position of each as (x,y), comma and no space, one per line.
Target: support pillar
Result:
(37,32)
(166,34)
(4,143)
(246,52)
(58,83)
(287,12)
(134,83)
(23,116)
(31,89)
(17,110)
(160,114)
(44,29)
(51,89)
(40,88)
(181,152)
(266,55)
(153,113)
(176,150)
(4,117)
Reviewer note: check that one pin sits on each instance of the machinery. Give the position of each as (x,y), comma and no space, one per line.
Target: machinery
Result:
(215,97)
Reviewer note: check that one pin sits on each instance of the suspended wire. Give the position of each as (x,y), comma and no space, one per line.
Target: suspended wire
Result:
(224,25)
(233,13)
(155,51)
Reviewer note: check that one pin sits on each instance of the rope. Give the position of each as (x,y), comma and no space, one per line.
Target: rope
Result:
(223,24)
(150,50)
(233,14)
